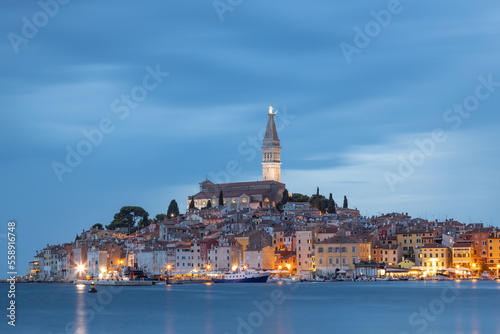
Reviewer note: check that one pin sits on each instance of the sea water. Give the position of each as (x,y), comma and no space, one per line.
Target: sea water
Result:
(338,307)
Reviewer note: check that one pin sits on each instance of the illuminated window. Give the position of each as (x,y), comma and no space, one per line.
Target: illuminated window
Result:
(244,200)
(266,200)
(233,200)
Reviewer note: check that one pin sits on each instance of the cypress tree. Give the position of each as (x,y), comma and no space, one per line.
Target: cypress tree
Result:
(346,204)
(331,205)
(221,199)
(316,200)
(173,209)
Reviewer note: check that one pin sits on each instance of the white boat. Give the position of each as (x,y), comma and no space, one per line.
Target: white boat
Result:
(291,279)
(242,275)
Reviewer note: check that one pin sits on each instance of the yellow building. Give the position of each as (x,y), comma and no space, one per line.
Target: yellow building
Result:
(410,239)
(339,254)
(462,254)
(434,257)
(494,251)
(243,241)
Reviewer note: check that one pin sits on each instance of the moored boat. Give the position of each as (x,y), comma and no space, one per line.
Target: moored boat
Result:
(243,276)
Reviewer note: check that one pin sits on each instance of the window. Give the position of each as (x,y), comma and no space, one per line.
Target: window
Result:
(353,260)
(320,250)
(337,249)
(320,260)
(337,261)
(330,249)
(344,261)
(354,249)
(344,250)
(330,260)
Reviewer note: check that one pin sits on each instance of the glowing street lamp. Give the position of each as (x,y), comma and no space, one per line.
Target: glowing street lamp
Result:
(168,271)
(80,269)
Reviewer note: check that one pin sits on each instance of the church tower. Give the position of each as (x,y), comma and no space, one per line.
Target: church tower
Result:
(271,164)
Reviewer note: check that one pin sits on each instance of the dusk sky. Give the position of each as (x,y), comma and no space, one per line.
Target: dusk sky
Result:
(179,90)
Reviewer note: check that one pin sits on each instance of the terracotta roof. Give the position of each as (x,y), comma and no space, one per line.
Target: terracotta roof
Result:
(339,240)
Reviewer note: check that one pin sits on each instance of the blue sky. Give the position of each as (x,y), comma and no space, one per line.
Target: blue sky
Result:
(345,123)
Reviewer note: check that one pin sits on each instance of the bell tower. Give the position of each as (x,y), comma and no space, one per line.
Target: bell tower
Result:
(271,163)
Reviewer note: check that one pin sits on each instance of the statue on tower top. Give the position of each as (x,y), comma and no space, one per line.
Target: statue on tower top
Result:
(271,111)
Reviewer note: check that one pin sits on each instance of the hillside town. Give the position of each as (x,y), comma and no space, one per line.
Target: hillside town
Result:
(300,240)
(260,225)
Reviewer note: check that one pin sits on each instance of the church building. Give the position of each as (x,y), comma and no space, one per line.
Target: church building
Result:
(249,194)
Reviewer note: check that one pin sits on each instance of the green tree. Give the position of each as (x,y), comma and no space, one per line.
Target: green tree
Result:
(191,204)
(300,198)
(209,204)
(98,226)
(173,209)
(346,204)
(221,199)
(331,205)
(260,204)
(160,216)
(285,198)
(316,199)
(128,217)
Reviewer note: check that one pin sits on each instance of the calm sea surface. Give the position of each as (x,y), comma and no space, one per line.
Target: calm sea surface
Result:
(341,307)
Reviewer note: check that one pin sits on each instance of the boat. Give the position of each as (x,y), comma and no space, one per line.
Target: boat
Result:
(92,288)
(445,275)
(317,279)
(241,275)
(291,279)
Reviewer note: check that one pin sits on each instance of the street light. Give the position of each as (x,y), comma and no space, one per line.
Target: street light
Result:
(168,271)
(80,269)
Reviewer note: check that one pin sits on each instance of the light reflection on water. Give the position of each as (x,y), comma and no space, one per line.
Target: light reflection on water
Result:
(349,307)
(81,314)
